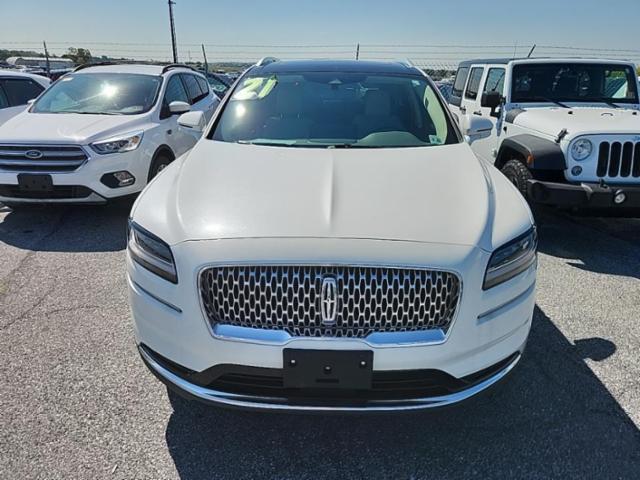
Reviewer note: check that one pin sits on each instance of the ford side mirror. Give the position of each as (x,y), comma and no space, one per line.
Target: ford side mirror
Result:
(491,100)
(478,128)
(178,107)
(193,120)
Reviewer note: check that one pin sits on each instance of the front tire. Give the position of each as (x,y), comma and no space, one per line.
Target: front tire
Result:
(518,174)
(160,162)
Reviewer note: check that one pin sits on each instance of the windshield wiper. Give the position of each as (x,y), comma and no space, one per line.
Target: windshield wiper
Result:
(608,102)
(546,99)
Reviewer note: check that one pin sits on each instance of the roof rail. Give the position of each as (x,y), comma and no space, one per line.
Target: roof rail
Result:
(171,66)
(97,64)
(266,61)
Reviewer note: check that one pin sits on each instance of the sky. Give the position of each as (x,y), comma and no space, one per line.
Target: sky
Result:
(583,23)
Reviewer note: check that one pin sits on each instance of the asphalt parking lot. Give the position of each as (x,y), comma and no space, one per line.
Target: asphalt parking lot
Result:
(76,401)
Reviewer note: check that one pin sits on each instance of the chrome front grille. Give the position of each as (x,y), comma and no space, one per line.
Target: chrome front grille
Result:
(41,158)
(368,299)
(619,159)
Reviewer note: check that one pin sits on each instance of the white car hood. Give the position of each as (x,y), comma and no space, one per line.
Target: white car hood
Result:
(222,190)
(52,128)
(581,120)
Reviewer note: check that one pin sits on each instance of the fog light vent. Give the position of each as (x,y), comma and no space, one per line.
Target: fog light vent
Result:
(118,179)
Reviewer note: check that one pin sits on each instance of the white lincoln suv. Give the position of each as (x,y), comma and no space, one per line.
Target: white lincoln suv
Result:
(100,133)
(331,243)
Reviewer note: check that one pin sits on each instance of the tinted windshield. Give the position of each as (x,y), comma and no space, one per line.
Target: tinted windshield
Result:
(573,82)
(328,109)
(100,93)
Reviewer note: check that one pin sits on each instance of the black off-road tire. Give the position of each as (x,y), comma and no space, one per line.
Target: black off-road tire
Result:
(518,174)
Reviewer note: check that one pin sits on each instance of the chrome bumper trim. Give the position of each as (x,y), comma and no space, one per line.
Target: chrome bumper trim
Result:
(217,397)
(92,198)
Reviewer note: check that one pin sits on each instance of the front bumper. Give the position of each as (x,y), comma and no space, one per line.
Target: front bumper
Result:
(584,195)
(259,399)
(490,325)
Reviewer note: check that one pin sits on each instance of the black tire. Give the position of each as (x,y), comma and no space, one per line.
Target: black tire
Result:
(518,174)
(159,163)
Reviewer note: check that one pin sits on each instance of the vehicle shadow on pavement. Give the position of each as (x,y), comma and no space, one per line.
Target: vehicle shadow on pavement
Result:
(551,418)
(593,244)
(66,229)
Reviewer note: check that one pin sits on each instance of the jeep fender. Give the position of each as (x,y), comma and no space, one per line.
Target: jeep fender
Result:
(537,153)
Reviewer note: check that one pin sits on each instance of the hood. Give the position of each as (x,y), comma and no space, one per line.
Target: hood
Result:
(75,128)
(222,190)
(580,120)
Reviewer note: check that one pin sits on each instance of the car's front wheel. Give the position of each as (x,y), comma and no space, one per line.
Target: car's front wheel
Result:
(518,174)
(159,163)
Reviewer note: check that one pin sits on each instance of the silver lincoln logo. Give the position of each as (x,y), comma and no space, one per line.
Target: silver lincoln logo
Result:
(33,154)
(329,300)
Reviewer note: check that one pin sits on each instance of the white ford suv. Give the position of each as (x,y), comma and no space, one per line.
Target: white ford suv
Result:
(331,243)
(566,132)
(100,133)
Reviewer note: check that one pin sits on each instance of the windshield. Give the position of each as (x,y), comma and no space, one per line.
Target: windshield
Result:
(573,82)
(333,110)
(100,93)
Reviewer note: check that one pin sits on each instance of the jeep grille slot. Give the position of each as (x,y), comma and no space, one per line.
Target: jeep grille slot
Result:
(369,299)
(618,159)
(41,158)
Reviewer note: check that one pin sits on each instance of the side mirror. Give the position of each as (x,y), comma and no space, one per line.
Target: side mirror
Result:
(491,100)
(478,128)
(193,120)
(178,107)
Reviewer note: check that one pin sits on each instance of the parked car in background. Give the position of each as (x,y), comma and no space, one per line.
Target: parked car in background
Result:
(16,89)
(566,132)
(219,83)
(445,89)
(331,243)
(100,133)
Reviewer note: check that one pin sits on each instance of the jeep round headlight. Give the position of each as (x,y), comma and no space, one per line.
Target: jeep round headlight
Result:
(581,149)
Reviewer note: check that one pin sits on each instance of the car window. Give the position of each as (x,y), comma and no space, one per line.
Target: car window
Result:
(335,110)
(193,89)
(19,91)
(461,79)
(100,94)
(495,81)
(4,101)
(204,86)
(175,91)
(474,83)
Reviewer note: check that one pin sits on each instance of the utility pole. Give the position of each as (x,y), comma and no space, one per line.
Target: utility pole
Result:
(531,51)
(206,64)
(46,56)
(358,51)
(173,32)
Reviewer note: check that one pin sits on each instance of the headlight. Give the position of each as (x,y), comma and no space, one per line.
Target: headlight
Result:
(124,143)
(152,253)
(581,149)
(511,259)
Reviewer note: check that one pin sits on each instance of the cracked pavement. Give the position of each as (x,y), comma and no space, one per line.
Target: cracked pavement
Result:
(76,401)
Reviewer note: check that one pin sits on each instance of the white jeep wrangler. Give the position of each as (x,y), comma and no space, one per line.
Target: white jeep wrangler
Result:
(566,131)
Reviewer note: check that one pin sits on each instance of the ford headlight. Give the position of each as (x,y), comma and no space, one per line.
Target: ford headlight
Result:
(581,149)
(511,259)
(120,144)
(152,253)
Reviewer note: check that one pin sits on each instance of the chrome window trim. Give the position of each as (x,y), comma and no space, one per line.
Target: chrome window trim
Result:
(390,339)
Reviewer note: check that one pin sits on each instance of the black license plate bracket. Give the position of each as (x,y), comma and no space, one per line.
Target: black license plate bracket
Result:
(29,182)
(328,369)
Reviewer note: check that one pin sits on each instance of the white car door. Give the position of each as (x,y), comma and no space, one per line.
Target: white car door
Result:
(493,82)
(202,99)
(176,137)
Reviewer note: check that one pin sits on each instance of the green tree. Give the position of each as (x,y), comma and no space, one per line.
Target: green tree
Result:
(79,56)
